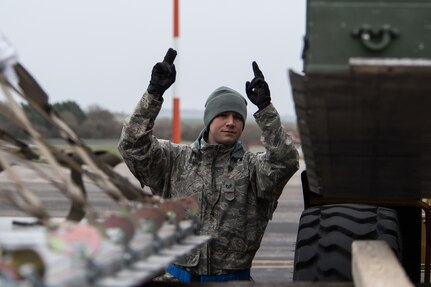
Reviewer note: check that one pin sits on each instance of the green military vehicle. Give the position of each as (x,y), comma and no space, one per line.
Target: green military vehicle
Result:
(363,112)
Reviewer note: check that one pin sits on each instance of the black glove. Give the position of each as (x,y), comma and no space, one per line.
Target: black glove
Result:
(163,74)
(258,90)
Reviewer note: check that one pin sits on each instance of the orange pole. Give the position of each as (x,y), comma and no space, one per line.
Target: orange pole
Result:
(176,121)
(176,18)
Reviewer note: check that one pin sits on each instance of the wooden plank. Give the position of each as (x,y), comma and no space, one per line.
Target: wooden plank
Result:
(374,264)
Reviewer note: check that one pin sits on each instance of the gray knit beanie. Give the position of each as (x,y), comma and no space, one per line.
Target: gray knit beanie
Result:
(224,99)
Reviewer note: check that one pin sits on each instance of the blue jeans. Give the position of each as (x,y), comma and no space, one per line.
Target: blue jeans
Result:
(185,276)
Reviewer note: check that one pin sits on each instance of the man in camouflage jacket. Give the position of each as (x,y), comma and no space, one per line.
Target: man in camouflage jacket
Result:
(237,190)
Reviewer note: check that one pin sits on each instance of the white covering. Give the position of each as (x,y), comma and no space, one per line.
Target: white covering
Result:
(8,56)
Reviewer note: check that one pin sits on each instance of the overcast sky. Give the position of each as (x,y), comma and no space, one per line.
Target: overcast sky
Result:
(102,51)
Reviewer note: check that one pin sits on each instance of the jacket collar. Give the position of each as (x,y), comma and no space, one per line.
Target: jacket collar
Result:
(237,153)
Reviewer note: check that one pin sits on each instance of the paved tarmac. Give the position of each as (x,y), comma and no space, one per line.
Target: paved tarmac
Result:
(273,262)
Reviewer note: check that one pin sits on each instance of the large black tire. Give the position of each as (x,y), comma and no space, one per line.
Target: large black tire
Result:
(325,235)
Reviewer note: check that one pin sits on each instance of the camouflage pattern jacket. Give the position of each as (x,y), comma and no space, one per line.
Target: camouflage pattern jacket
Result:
(237,190)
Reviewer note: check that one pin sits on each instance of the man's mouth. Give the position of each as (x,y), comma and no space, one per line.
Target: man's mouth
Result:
(229,132)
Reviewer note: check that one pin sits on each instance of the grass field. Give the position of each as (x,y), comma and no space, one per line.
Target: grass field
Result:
(109,145)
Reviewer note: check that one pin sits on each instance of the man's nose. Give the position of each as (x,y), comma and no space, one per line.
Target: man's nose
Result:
(230,120)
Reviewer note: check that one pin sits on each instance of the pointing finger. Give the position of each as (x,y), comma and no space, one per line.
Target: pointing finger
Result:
(170,56)
(256,70)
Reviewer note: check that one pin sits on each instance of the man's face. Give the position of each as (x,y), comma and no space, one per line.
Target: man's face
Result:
(226,128)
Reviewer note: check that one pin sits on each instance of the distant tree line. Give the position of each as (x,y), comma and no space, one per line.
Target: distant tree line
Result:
(95,123)
(99,123)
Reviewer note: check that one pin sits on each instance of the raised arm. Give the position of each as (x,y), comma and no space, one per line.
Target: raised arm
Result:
(147,157)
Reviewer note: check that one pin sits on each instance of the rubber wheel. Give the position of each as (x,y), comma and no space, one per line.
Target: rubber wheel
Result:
(325,235)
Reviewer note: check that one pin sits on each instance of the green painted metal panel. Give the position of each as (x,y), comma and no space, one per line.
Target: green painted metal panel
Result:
(339,30)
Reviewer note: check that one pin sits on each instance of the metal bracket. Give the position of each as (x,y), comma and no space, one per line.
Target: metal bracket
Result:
(376,39)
